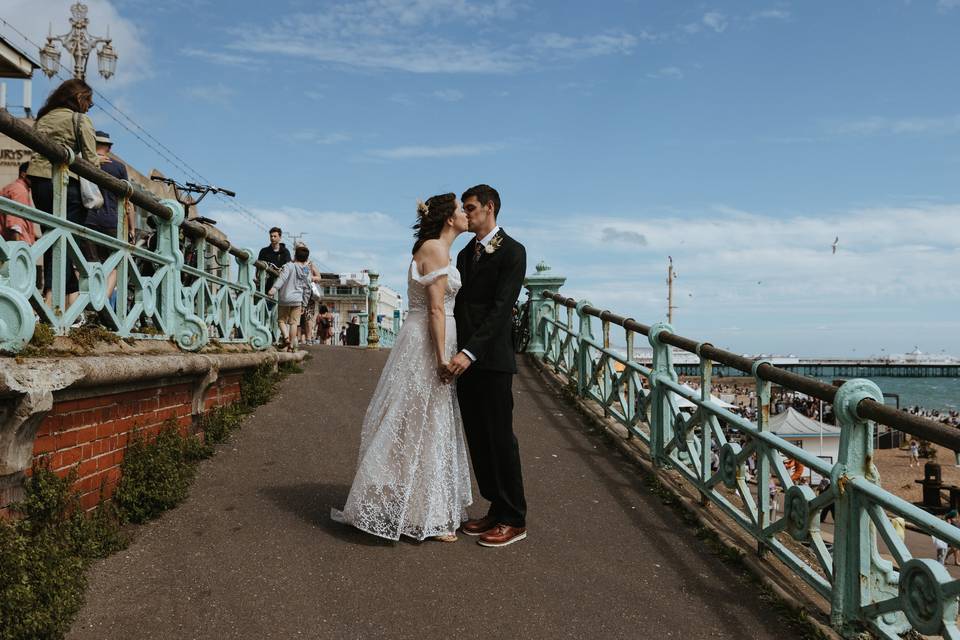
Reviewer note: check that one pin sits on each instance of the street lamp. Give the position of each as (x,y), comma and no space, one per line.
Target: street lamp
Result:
(79,45)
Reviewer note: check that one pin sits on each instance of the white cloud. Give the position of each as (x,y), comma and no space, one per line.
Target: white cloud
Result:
(946,5)
(770,14)
(392,35)
(34,18)
(674,73)
(586,46)
(895,264)
(423,152)
(448,95)
(715,20)
(318,137)
(876,125)
(220,57)
(219,93)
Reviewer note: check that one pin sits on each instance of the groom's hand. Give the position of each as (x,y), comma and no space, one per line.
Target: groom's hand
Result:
(459,364)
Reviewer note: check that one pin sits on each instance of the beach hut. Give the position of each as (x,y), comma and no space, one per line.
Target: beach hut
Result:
(819,439)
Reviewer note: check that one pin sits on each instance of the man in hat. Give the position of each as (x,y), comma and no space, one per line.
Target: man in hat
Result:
(105,218)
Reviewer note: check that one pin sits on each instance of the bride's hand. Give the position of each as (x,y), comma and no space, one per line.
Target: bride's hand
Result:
(443,372)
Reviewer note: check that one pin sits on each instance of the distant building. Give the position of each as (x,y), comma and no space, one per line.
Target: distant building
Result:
(15,64)
(346,296)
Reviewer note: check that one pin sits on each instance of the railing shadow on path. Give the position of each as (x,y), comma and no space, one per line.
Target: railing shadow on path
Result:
(620,477)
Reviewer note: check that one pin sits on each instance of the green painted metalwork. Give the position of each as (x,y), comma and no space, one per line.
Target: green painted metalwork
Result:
(373,299)
(158,294)
(887,593)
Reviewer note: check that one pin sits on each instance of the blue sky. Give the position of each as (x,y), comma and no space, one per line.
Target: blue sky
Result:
(740,138)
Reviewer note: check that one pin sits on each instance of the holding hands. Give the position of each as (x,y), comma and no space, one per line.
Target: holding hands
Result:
(450,370)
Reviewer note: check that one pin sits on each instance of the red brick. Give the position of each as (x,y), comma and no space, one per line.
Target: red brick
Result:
(87,434)
(66,439)
(89,500)
(87,467)
(44,444)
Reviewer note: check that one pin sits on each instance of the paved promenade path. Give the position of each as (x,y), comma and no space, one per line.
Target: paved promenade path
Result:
(253,553)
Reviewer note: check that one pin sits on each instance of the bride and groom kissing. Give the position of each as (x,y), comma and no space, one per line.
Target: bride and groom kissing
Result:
(446,387)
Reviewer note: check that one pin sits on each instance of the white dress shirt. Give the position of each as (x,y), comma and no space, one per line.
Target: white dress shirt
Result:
(485,240)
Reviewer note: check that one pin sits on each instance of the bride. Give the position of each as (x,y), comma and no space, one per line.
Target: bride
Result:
(412,474)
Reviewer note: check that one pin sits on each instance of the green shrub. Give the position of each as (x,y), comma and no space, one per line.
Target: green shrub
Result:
(218,423)
(258,385)
(155,476)
(44,555)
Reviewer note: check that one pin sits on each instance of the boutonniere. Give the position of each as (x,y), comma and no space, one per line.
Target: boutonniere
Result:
(494,244)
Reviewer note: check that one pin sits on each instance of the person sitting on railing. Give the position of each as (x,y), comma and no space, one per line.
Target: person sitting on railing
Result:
(104,220)
(63,118)
(14,227)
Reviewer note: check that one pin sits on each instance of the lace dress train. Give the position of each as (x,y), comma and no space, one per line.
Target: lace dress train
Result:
(413,474)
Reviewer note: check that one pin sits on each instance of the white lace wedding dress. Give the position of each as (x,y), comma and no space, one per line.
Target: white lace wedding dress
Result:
(413,476)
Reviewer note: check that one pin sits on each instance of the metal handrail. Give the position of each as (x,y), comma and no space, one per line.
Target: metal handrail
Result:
(868,408)
(57,153)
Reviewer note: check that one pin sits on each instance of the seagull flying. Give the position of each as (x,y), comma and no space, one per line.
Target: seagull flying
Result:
(836,241)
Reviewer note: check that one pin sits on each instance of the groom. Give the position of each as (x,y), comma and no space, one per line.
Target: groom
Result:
(492,267)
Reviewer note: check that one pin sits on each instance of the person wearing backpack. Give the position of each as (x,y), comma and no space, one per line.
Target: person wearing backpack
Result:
(293,287)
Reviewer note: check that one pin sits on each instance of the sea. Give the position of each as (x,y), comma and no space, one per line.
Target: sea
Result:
(942,394)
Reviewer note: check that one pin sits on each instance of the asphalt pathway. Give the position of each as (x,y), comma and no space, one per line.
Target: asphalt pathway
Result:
(254,554)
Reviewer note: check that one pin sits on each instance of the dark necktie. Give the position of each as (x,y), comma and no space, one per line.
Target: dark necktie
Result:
(477,251)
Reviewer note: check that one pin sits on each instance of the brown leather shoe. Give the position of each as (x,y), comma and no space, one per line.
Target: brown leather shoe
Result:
(502,535)
(479,526)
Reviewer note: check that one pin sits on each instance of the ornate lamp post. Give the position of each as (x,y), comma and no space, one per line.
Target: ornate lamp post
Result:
(79,45)
(373,333)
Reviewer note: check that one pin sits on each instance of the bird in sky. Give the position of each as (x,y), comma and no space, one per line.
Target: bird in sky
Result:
(836,241)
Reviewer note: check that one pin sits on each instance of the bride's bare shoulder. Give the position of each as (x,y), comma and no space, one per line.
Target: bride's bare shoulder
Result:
(431,255)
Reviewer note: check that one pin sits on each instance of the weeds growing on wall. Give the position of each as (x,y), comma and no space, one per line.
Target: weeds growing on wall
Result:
(44,556)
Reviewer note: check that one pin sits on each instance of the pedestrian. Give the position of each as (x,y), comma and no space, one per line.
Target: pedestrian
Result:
(14,227)
(104,220)
(914,453)
(63,118)
(822,488)
(324,324)
(310,302)
(275,253)
(951,519)
(941,546)
(293,280)
(343,336)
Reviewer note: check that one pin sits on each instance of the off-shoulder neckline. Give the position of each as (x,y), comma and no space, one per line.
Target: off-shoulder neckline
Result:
(415,271)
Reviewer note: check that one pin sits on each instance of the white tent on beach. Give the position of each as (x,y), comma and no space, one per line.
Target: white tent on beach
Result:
(819,439)
(683,403)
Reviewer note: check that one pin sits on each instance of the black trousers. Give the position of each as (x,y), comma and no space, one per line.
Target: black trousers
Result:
(486,403)
(42,189)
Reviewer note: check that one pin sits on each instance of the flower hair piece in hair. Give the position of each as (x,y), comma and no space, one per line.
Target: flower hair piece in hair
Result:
(423,210)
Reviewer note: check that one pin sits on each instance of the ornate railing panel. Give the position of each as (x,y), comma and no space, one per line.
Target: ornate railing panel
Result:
(883,588)
(159,293)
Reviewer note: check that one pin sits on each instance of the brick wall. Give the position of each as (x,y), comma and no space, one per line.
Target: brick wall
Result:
(91,433)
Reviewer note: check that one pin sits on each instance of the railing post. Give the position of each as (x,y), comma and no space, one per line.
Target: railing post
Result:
(373,295)
(259,336)
(764,507)
(861,576)
(363,327)
(583,363)
(396,323)
(188,329)
(661,418)
(540,307)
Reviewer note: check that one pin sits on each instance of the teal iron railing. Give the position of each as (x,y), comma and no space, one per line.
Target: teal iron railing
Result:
(160,293)
(880,587)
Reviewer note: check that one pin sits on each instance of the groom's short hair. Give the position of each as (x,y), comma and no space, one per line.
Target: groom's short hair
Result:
(484,194)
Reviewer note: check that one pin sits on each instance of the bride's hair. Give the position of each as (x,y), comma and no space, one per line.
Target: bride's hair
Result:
(431,216)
